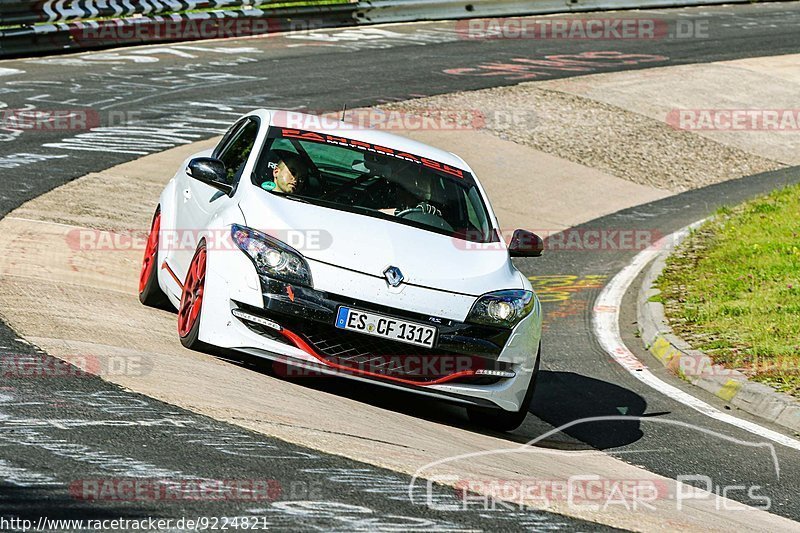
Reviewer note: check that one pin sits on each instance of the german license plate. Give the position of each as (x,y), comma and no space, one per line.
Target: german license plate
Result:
(386,327)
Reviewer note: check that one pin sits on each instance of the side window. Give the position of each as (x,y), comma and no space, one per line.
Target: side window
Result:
(226,138)
(235,153)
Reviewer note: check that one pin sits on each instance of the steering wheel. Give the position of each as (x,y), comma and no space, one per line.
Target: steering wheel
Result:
(423,207)
(405,212)
(422,216)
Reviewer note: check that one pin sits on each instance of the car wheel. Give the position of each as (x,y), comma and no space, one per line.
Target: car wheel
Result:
(501,420)
(150,293)
(192,301)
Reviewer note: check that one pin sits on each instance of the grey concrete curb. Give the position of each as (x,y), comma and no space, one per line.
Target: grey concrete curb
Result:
(697,368)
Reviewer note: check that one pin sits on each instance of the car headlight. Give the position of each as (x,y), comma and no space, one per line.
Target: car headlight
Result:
(502,308)
(271,257)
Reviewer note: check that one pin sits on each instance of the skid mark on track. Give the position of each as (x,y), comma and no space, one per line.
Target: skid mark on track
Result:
(524,68)
(22,477)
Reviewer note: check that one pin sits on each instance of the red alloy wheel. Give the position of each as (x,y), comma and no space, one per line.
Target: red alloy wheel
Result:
(150,253)
(192,296)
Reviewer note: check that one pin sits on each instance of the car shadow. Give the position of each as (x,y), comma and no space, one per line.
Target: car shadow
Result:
(560,398)
(565,397)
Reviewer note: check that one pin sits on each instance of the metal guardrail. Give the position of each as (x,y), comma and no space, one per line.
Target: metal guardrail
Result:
(58,25)
(35,11)
(27,39)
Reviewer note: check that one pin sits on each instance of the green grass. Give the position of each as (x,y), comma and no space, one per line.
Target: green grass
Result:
(732,289)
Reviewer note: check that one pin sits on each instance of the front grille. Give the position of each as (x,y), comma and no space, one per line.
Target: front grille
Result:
(358,351)
(392,358)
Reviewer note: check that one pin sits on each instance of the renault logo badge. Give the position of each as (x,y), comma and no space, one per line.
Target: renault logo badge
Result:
(393,276)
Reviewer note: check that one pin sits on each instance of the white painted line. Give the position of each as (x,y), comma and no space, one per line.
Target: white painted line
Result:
(10,71)
(47,222)
(605,319)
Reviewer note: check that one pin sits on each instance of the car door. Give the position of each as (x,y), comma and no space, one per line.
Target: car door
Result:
(200,201)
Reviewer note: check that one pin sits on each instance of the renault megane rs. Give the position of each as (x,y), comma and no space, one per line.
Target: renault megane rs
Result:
(349,252)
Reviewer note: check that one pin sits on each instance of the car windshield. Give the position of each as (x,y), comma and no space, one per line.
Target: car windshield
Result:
(380,182)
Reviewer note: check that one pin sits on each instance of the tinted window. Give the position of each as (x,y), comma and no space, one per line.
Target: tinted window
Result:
(227,137)
(238,149)
(375,181)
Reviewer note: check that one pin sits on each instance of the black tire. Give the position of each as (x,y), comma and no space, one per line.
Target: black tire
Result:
(192,341)
(501,420)
(150,294)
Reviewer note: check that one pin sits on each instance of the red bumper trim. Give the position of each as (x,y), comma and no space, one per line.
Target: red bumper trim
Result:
(166,267)
(303,345)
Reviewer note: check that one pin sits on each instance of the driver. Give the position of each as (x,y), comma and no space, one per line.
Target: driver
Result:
(290,173)
(413,192)
(409,200)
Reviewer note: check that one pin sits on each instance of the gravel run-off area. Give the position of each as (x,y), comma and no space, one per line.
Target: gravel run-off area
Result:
(622,143)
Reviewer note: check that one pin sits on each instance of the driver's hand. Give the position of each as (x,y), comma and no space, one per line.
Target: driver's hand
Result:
(429,209)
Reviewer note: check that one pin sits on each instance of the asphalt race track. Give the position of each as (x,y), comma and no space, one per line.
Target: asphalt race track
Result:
(153,98)
(66,428)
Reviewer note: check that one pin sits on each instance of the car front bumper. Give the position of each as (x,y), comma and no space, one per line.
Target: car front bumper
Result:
(469,365)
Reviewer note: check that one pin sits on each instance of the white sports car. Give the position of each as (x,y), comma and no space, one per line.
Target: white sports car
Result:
(352,252)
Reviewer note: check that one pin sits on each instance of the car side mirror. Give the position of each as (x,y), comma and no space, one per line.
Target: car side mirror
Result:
(525,244)
(211,172)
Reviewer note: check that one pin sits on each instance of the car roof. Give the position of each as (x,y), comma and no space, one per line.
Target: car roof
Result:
(331,126)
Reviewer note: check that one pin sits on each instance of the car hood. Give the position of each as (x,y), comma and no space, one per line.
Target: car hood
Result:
(370,245)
